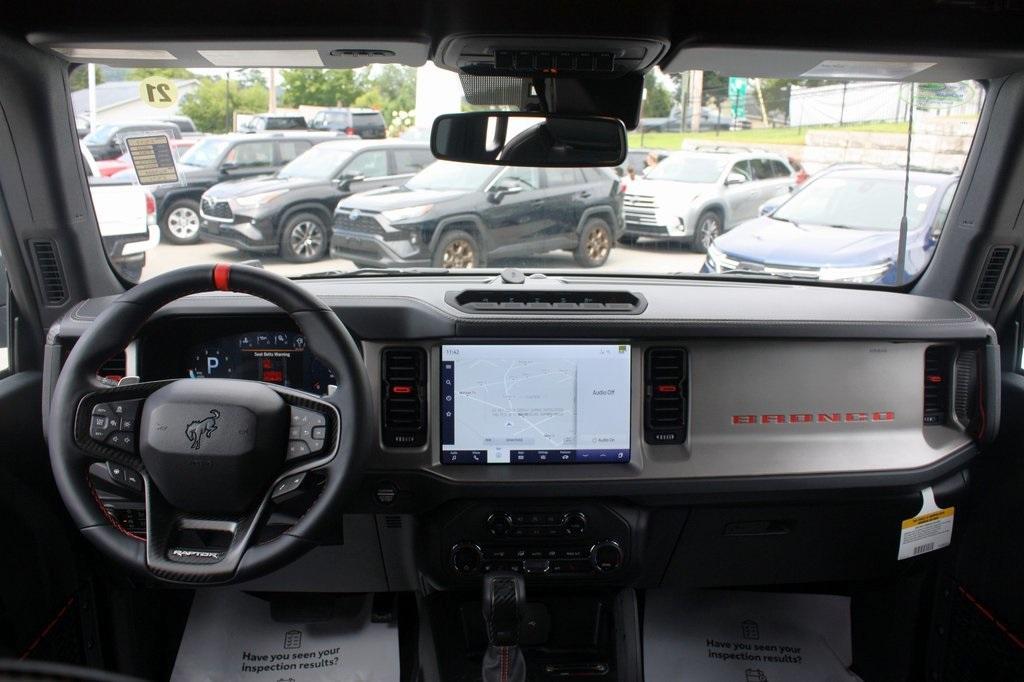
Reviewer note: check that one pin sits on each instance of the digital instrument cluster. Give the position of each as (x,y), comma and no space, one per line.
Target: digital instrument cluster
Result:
(276,357)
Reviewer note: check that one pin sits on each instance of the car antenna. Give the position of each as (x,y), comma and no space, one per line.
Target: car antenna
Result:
(901,248)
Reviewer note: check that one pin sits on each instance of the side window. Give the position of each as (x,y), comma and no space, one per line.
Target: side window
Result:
(259,124)
(411,160)
(251,154)
(743,168)
(527,178)
(762,169)
(373,164)
(561,177)
(779,169)
(943,212)
(289,149)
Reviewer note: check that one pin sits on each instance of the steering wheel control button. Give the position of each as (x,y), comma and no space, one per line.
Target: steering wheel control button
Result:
(306,433)
(287,486)
(116,471)
(122,440)
(133,480)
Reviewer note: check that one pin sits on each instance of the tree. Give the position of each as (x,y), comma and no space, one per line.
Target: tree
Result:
(172,73)
(80,77)
(659,100)
(212,103)
(390,90)
(319,87)
(251,77)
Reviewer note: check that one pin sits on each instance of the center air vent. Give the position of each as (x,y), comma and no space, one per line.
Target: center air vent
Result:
(548,302)
(404,397)
(665,396)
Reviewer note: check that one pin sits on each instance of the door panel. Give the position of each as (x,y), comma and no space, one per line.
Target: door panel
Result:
(516,218)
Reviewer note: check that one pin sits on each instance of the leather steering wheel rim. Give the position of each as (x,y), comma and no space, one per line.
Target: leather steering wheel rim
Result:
(115,328)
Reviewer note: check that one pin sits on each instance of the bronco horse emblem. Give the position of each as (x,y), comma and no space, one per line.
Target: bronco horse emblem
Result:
(202,427)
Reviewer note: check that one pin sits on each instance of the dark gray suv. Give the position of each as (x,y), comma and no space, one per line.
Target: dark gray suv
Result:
(365,123)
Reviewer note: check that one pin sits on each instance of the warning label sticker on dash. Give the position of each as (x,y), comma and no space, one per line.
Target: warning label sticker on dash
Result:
(931,529)
(153,159)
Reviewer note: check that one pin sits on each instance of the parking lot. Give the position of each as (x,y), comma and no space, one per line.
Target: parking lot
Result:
(649,256)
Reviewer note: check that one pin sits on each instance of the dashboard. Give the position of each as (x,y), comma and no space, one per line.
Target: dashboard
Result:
(605,429)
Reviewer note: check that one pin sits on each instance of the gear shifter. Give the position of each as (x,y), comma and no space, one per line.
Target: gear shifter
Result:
(504,597)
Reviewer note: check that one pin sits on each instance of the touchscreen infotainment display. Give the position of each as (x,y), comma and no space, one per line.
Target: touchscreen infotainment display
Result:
(531,404)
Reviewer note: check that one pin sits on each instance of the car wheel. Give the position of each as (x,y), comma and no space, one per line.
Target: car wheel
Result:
(709,226)
(595,245)
(457,250)
(180,222)
(628,239)
(304,238)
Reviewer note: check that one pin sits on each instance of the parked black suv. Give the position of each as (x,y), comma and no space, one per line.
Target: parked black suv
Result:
(216,159)
(264,122)
(107,141)
(365,123)
(457,215)
(290,213)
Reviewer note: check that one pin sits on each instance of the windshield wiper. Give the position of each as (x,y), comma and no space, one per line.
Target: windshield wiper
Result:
(373,272)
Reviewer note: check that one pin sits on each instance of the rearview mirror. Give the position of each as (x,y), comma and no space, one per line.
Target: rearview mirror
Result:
(526,139)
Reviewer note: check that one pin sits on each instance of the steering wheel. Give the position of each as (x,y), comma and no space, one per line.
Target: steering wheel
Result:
(211,452)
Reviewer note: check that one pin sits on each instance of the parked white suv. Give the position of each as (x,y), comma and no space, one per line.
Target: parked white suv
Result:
(697,195)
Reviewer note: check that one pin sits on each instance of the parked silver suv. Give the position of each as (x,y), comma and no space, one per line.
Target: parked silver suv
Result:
(697,195)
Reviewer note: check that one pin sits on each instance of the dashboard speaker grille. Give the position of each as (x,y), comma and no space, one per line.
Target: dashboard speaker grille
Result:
(496,301)
(992,276)
(665,395)
(937,366)
(50,272)
(403,397)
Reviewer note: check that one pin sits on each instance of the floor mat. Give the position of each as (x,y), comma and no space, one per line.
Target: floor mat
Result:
(723,636)
(230,636)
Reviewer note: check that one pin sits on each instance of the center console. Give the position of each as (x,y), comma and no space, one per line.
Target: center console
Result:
(538,539)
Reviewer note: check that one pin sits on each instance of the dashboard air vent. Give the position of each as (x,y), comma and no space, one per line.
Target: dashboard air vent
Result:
(992,276)
(114,368)
(404,397)
(965,390)
(937,366)
(665,396)
(548,302)
(50,272)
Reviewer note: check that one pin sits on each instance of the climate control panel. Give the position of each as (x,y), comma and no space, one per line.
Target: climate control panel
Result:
(537,541)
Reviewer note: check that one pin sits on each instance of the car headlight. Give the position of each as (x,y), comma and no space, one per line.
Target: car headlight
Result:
(254,200)
(718,261)
(861,274)
(397,214)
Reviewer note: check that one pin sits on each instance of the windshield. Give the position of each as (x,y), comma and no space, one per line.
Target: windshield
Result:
(716,166)
(451,175)
(319,163)
(205,154)
(101,135)
(859,203)
(688,168)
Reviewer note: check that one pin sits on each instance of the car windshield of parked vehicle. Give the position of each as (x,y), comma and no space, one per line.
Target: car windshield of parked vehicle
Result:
(859,203)
(101,135)
(206,153)
(688,168)
(725,176)
(451,176)
(319,163)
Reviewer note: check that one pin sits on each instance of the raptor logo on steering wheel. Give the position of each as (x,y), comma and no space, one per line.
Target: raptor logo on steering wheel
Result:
(202,427)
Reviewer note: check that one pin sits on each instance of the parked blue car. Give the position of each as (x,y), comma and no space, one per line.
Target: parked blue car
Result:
(842,226)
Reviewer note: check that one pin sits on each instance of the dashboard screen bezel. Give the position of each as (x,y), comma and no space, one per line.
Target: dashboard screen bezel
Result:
(438,393)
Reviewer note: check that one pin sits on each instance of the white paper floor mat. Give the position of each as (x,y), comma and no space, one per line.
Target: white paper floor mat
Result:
(723,636)
(230,637)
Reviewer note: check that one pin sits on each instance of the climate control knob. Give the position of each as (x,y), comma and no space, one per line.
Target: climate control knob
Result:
(606,556)
(575,523)
(466,557)
(499,525)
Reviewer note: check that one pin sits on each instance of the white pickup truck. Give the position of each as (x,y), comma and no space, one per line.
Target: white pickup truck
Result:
(126,214)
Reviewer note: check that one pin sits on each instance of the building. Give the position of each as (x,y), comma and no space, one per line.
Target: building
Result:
(122,101)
